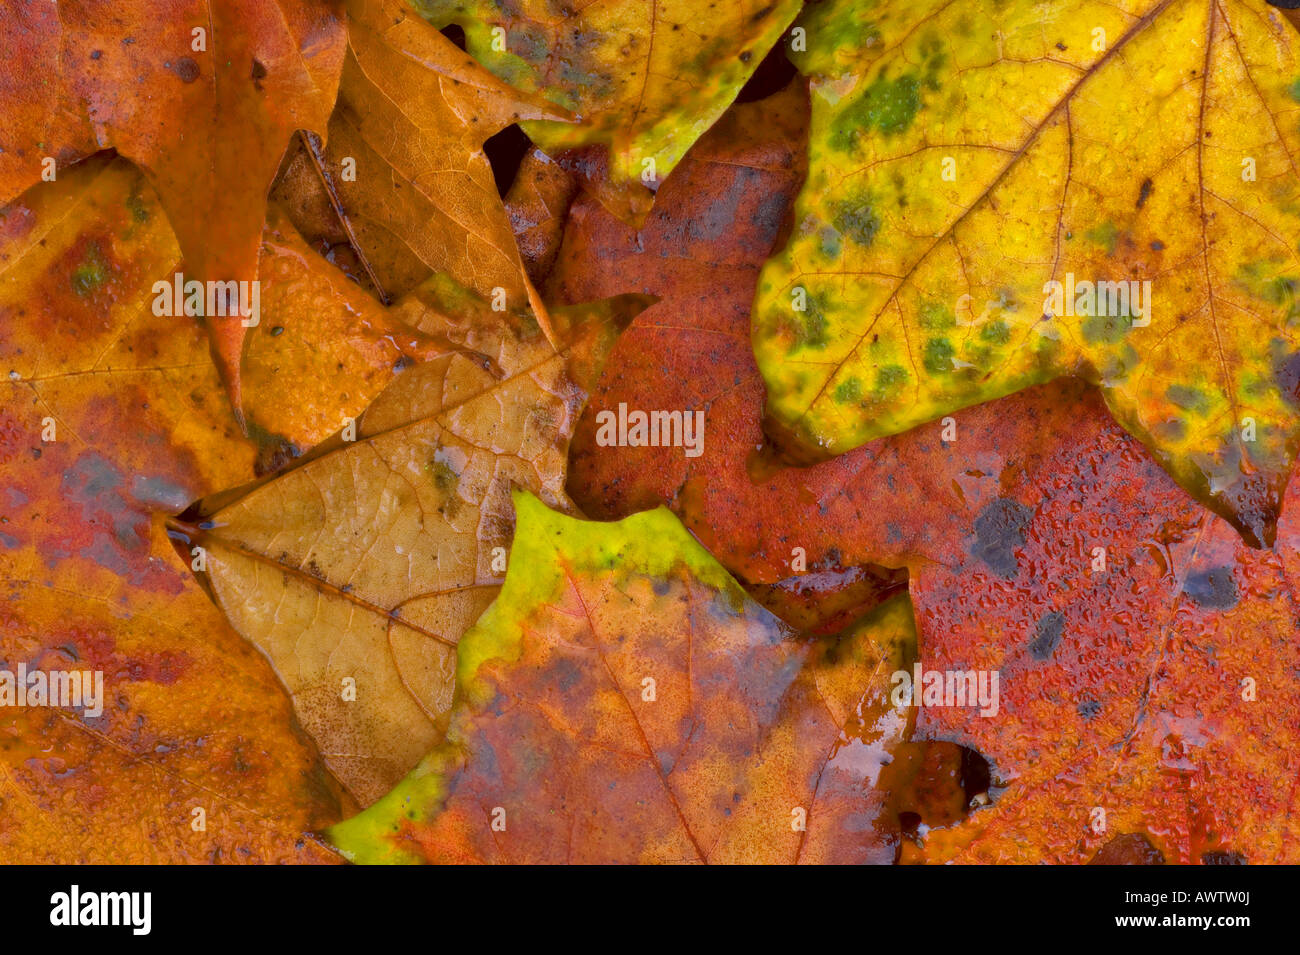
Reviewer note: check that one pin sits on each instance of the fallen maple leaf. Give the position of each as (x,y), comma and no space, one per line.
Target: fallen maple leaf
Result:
(202,94)
(700,251)
(109,421)
(996,525)
(537,204)
(357,571)
(962,163)
(646,79)
(403,181)
(335,344)
(1148,708)
(624,701)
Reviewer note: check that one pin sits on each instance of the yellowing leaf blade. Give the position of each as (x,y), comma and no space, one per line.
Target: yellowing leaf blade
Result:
(1106,192)
(624,701)
(646,79)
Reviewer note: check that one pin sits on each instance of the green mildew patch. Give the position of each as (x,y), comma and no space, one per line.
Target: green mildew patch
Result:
(809,328)
(1104,235)
(1189,399)
(848,391)
(831,245)
(936,58)
(1106,329)
(446,479)
(836,27)
(887,106)
(889,380)
(996,332)
(573,74)
(1254,386)
(135,205)
(529,328)
(857,220)
(1264,281)
(935,316)
(938,355)
(1294,89)
(899,182)
(91,272)
(447,295)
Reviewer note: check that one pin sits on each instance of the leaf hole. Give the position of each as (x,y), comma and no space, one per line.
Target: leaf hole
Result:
(505,151)
(772,75)
(455,33)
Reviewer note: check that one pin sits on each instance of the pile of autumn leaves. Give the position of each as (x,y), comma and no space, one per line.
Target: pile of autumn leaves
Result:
(497,646)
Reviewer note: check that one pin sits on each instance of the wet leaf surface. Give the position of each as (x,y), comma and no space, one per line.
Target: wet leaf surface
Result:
(624,701)
(962,162)
(644,79)
(357,571)
(1119,689)
(203,96)
(1147,664)
(111,418)
(402,187)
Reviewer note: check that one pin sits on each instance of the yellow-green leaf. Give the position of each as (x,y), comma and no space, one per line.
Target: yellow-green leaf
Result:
(964,159)
(645,78)
(624,701)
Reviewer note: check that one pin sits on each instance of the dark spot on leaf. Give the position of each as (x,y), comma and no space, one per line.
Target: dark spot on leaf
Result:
(937,356)
(1189,399)
(1286,371)
(999,530)
(91,272)
(858,221)
(1214,589)
(566,674)
(186,69)
(1144,193)
(1050,627)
